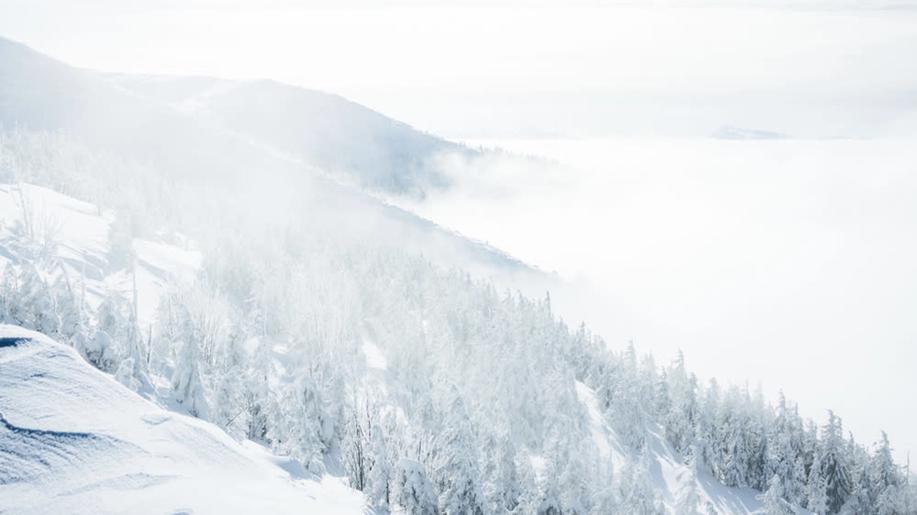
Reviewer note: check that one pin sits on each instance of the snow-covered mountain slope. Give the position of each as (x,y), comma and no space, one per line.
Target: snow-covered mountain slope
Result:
(668,473)
(146,115)
(73,440)
(175,148)
(318,128)
(72,239)
(40,93)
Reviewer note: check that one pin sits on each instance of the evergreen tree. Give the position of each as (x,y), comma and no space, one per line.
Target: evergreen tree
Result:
(187,386)
(680,420)
(294,427)
(882,469)
(833,464)
(773,501)
(257,397)
(687,500)
(228,400)
(858,501)
(413,491)
(380,473)
(635,494)
(501,489)
(816,488)
(35,309)
(70,317)
(9,295)
(456,464)
(107,347)
(530,496)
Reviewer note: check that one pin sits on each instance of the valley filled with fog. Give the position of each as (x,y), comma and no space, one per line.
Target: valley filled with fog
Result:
(774,261)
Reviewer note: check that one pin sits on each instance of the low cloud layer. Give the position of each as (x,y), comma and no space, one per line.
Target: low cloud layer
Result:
(787,262)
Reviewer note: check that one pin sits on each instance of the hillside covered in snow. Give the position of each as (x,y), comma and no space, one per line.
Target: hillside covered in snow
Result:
(74,440)
(238,330)
(67,282)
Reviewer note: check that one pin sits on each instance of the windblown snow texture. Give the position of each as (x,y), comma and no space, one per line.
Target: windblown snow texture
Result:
(73,440)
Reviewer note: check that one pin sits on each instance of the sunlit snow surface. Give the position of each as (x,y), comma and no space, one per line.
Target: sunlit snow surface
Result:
(80,234)
(73,440)
(666,471)
(374,356)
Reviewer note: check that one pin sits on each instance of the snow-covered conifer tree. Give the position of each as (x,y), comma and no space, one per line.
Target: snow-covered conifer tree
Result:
(635,494)
(187,385)
(529,494)
(834,465)
(294,428)
(456,463)
(257,396)
(772,498)
(380,473)
(412,489)
(816,488)
(35,306)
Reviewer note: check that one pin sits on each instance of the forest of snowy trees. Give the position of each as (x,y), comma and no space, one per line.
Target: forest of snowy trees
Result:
(475,410)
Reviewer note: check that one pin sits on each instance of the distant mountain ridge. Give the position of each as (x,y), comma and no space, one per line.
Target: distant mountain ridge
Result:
(321,129)
(189,131)
(741,133)
(318,129)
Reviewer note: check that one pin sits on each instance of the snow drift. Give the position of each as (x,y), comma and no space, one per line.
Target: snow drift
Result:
(73,440)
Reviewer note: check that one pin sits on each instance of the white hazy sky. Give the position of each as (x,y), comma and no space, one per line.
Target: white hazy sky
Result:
(512,68)
(791,262)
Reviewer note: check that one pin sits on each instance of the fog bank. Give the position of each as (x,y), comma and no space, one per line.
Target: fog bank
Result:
(791,263)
